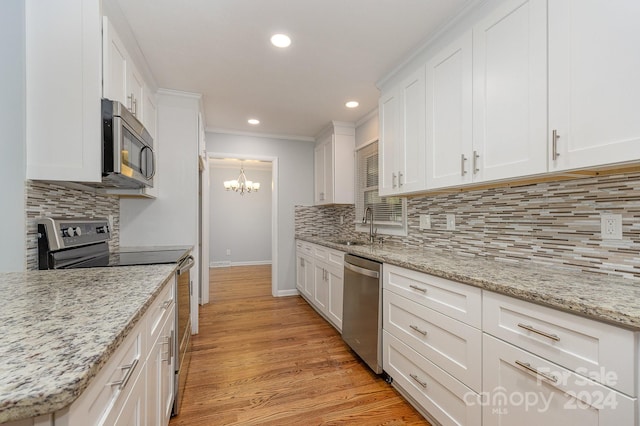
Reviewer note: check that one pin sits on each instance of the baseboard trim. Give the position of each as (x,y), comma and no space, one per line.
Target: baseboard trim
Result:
(226,264)
(285,293)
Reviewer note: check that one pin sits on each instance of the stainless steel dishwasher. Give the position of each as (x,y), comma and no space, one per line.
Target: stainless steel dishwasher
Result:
(362,309)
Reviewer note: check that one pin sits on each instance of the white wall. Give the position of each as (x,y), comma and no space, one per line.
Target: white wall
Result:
(12,136)
(295,176)
(171,218)
(240,223)
(367,129)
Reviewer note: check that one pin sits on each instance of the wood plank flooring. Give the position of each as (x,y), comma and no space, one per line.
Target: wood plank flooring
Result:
(260,360)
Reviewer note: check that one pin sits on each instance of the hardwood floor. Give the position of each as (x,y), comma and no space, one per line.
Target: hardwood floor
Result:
(260,360)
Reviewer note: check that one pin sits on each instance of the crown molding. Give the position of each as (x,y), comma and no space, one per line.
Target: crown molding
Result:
(260,135)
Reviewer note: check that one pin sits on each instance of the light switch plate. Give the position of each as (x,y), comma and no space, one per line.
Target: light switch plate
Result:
(425,221)
(451,222)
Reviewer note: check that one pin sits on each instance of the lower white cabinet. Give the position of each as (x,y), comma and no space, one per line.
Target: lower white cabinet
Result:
(437,393)
(320,279)
(160,368)
(523,389)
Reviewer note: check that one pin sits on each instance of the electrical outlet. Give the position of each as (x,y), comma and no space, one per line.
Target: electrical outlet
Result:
(611,227)
(341,219)
(228,252)
(451,222)
(425,221)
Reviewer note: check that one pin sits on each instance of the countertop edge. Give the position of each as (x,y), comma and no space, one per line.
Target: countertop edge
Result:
(580,308)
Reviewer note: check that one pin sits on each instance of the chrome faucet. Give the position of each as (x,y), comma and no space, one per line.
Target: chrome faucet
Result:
(372,234)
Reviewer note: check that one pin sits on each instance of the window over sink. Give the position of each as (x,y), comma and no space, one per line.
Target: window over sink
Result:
(389,213)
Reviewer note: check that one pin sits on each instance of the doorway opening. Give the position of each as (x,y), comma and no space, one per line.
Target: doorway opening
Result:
(242,226)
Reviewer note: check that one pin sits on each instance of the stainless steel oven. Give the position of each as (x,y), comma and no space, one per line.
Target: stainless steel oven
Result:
(183,342)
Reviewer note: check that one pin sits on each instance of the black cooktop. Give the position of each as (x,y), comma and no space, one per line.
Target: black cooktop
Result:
(146,257)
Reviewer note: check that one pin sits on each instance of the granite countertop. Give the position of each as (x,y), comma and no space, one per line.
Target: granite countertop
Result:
(59,327)
(607,298)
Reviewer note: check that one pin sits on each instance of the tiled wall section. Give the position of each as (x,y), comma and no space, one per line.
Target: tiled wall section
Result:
(47,199)
(324,221)
(556,223)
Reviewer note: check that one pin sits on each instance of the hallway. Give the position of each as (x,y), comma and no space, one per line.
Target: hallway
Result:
(260,360)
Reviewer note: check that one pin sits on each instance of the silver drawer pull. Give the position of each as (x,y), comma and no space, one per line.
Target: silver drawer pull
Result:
(420,382)
(529,368)
(130,368)
(415,328)
(415,287)
(553,337)
(168,340)
(166,303)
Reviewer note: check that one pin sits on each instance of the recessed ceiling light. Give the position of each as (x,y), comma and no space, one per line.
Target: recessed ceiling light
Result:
(280,40)
(351,104)
(253,121)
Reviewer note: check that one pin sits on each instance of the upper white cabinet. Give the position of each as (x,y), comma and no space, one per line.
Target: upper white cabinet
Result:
(509,91)
(449,113)
(593,83)
(63,90)
(334,165)
(402,141)
(122,81)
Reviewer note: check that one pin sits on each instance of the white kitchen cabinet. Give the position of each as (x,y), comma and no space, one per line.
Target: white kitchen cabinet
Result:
(402,137)
(437,394)
(160,374)
(122,81)
(63,90)
(449,113)
(320,279)
(334,165)
(510,91)
(524,389)
(593,83)
(132,412)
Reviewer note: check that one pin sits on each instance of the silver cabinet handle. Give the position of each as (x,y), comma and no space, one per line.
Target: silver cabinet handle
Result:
(462,168)
(130,98)
(166,304)
(302,262)
(530,369)
(415,328)
(400,175)
(129,367)
(420,382)
(554,145)
(166,340)
(393,180)
(542,333)
(321,196)
(476,156)
(415,287)
(171,339)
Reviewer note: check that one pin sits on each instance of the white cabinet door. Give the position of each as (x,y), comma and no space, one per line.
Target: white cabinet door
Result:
(114,64)
(304,275)
(389,111)
(321,287)
(329,183)
(402,137)
(449,113)
(509,88)
(63,89)
(335,278)
(133,411)
(135,91)
(320,192)
(593,82)
(411,150)
(522,389)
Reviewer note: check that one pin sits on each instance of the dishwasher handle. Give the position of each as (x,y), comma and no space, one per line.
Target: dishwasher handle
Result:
(186,264)
(362,271)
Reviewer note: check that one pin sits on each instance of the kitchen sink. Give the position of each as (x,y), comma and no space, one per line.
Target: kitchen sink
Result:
(351,243)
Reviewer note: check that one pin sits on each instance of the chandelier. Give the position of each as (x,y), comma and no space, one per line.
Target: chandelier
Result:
(241,184)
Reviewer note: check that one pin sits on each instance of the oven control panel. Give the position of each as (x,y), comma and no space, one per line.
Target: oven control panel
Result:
(66,233)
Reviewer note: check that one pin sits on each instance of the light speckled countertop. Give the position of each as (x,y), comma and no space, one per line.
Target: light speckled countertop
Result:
(611,299)
(60,327)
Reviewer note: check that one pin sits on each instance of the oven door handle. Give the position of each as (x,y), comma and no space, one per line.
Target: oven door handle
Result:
(186,264)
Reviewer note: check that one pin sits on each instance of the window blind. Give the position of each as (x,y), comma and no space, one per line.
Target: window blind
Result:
(387,211)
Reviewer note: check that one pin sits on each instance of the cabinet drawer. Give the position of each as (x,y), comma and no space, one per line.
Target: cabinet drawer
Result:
(443,397)
(520,388)
(591,348)
(304,247)
(330,256)
(113,382)
(448,343)
(456,300)
(160,309)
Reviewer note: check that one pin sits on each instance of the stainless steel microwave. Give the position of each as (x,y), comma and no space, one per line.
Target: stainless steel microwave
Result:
(127,148)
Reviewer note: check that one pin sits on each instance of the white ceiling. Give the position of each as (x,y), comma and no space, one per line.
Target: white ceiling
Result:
(340,48)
